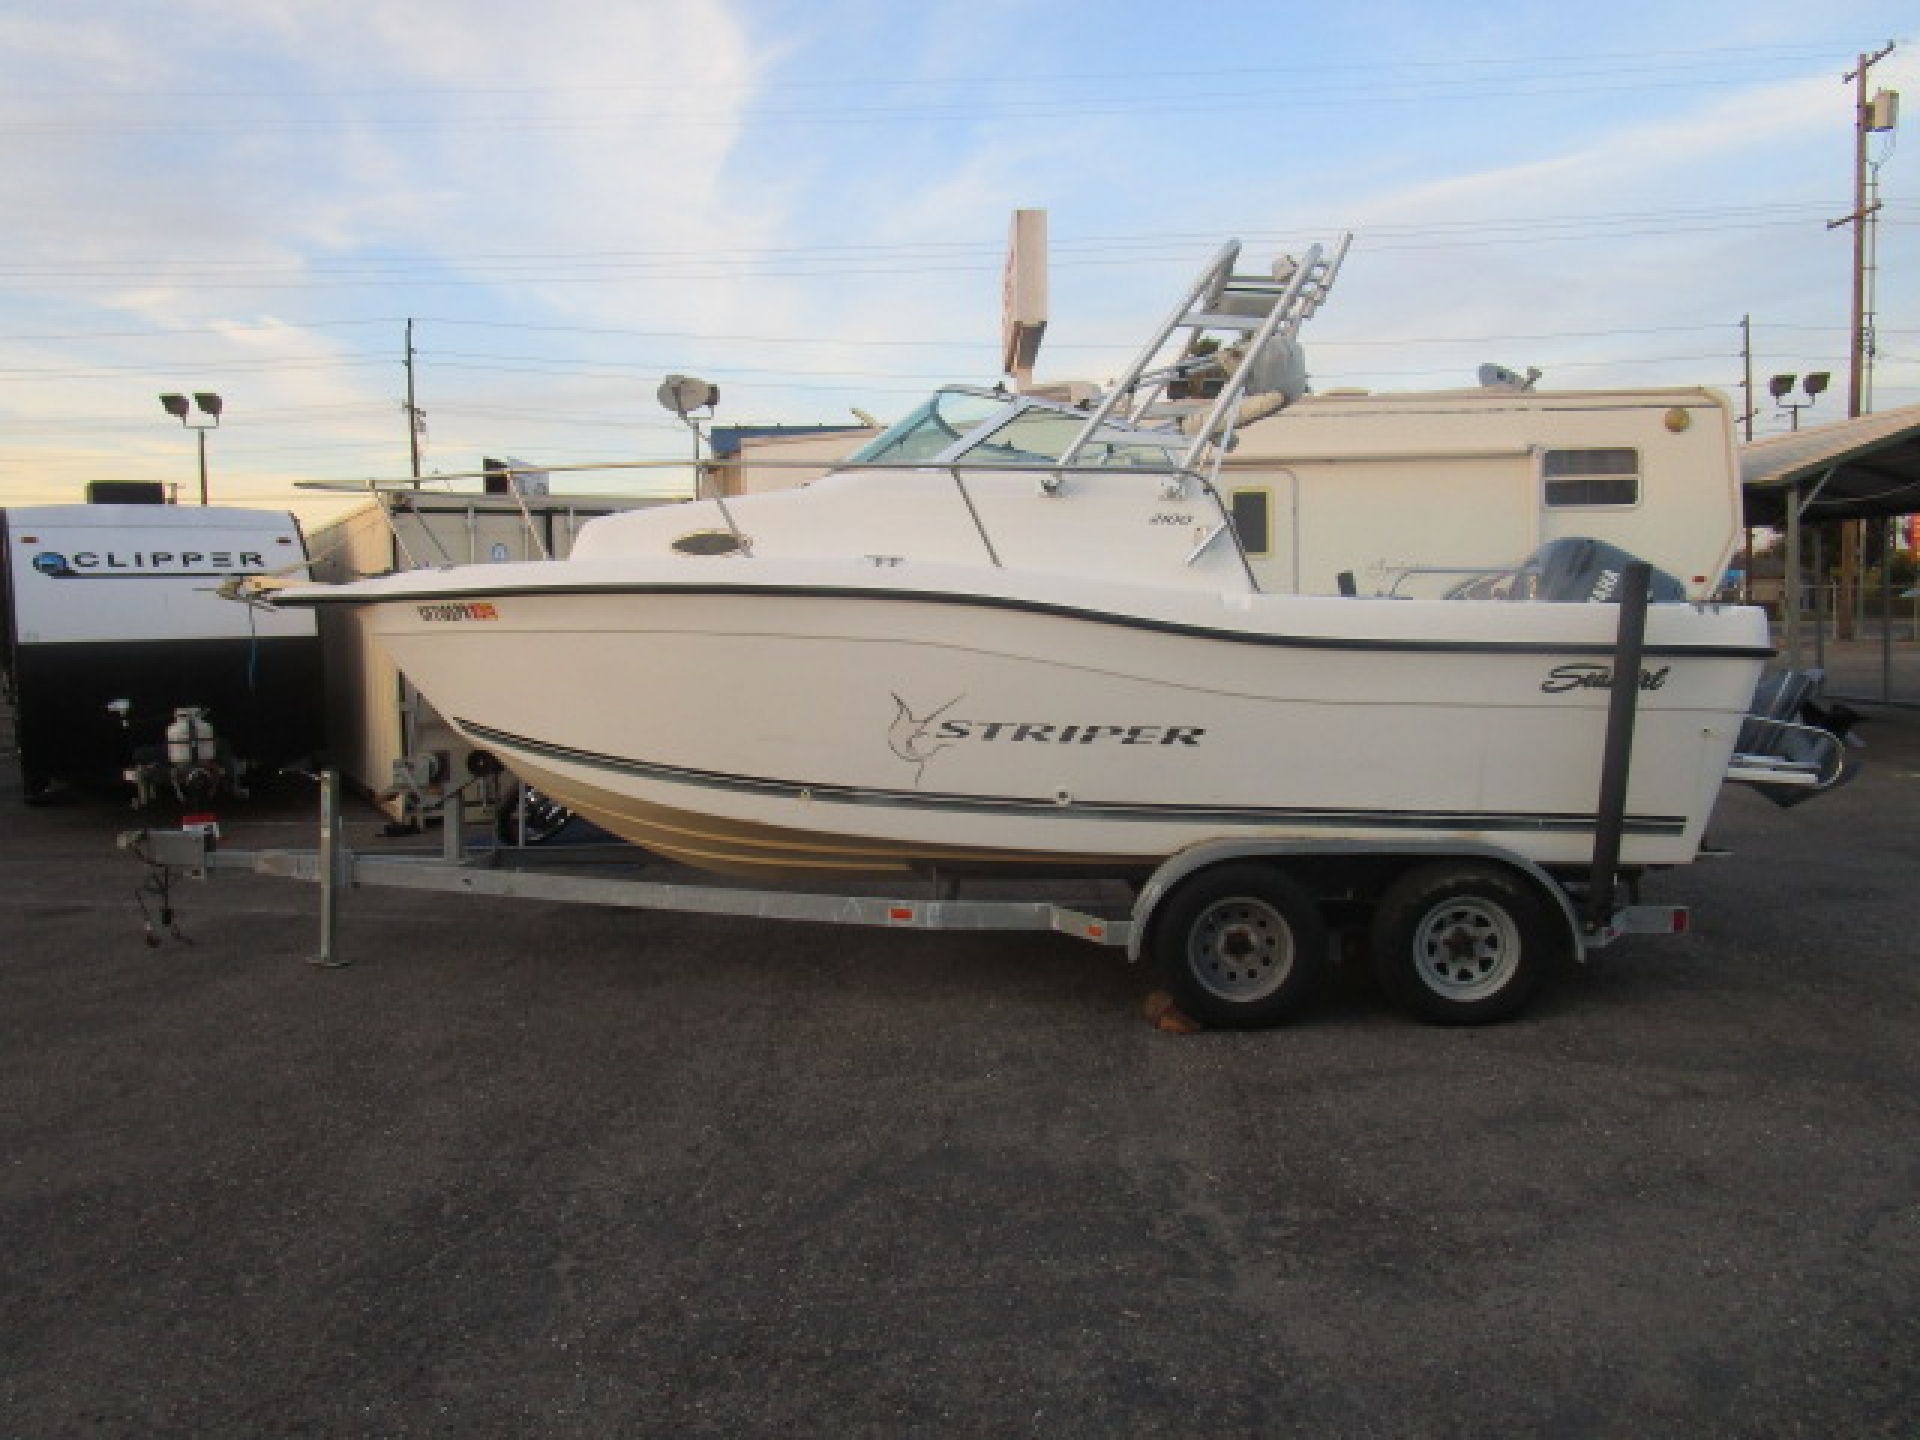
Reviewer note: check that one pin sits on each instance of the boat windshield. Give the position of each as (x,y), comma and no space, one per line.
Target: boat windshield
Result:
(1040,436)
(934,427)
(1036,435)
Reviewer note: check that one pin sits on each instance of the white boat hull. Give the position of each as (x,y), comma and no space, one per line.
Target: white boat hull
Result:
(809,718)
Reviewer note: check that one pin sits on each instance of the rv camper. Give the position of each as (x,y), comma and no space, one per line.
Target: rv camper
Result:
(121,657)
(1439,492)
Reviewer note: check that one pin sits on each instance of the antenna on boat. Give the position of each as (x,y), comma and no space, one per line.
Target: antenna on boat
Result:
(684,394)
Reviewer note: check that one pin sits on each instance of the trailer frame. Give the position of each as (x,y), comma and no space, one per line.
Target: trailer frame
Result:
(543,873)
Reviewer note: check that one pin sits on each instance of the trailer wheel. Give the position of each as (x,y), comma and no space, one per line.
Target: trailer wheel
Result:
(1463,942)
(1239,946)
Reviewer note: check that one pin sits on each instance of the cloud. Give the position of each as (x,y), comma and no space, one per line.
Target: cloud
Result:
(268,158)
(255,194)
(1689,220)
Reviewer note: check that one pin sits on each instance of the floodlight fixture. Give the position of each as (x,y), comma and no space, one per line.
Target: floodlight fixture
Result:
(211,406)
(1781,388)
(684,394)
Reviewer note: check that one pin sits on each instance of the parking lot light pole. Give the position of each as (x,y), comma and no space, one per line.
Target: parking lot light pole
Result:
(210,405)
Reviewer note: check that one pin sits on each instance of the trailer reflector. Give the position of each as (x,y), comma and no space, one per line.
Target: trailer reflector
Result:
(1642,920)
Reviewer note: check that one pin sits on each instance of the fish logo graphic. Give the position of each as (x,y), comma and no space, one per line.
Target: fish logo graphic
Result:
(910,735)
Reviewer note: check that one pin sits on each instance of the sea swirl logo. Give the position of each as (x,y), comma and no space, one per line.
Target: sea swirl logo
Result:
(52,562)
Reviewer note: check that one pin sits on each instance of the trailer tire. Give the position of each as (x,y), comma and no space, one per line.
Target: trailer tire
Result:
(1239,946)
(1464,942)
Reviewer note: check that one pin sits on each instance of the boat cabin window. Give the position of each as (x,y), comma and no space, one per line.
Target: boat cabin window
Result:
(1039,436)
(933,428)
(1253,521)
(1592,478)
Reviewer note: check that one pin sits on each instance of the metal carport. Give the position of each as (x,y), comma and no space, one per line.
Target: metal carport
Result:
(1862,469)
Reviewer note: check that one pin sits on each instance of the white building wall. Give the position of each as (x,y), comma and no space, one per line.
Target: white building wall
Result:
(780,462)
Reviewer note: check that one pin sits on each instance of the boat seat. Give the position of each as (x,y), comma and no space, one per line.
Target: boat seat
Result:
(1789,724)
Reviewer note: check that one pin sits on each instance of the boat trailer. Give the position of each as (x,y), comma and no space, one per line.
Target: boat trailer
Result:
(1234,936)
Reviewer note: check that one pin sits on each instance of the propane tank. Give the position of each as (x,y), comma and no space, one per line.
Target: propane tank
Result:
(205,745)
(190,737)
(180,736)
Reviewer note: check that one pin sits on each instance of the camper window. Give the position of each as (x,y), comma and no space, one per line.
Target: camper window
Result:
(1592,478)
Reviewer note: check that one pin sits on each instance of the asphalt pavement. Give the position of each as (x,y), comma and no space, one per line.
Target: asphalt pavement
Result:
(526,1169)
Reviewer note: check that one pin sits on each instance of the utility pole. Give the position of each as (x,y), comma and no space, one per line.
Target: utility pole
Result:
(1865,121)
(413,412)
(1746,369)
(1746,391)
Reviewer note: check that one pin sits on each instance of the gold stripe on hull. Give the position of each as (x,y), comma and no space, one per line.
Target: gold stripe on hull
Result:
(745,847)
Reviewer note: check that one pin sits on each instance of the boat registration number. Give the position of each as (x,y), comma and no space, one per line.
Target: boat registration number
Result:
(461,610)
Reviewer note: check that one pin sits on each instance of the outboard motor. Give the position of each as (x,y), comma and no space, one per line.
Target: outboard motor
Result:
(1577,570)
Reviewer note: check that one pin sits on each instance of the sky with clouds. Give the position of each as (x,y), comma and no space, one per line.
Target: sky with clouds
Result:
(808,204)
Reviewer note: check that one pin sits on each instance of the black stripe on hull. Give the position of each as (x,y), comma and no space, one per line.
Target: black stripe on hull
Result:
(1242,816)
(1039,607)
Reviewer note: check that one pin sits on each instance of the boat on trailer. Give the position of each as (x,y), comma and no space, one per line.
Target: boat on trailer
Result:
(1046,650)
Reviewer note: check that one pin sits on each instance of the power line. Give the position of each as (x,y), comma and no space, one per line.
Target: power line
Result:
(241,366)
(169,331)
(1133,101)
(905,250)
(1706,56)
(1068,250)
(633,276)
